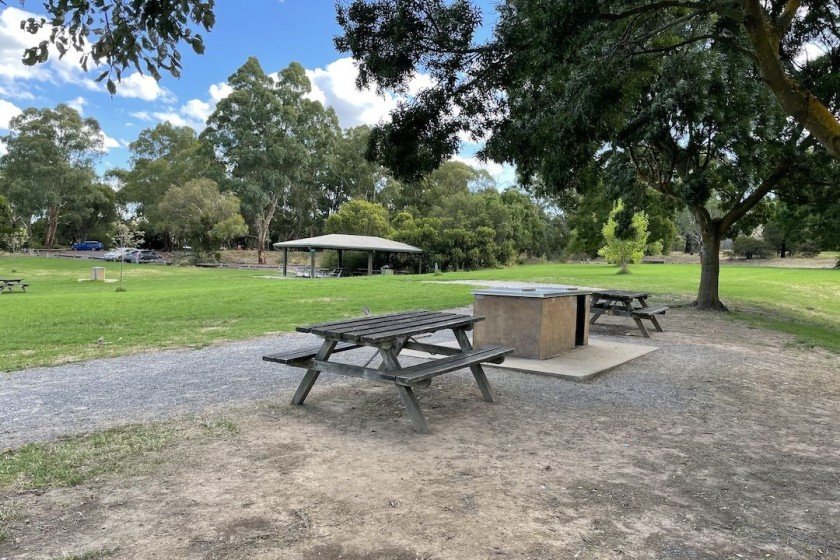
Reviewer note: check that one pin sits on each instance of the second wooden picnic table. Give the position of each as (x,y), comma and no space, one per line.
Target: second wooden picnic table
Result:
(621,303)
(9,283)
(389,335)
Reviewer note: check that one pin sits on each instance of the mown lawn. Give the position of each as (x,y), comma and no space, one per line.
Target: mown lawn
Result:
(800,301)
(65,319)
(62,318)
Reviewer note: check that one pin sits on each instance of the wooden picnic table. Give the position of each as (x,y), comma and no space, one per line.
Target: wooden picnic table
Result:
(621,303)
(9,283)
(389,335)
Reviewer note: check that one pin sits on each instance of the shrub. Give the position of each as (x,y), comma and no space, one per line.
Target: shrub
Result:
(626,244)
(750,247)
(806,249)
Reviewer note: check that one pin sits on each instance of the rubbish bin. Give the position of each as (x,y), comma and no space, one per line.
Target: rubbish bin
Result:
(97,274)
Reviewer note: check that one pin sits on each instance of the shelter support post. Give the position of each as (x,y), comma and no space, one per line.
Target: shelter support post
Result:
(340,258)
(370,263)
(285,260)
(312,263)
(419,263)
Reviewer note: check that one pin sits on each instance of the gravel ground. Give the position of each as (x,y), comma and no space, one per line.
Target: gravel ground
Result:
(721,444)
(44,403)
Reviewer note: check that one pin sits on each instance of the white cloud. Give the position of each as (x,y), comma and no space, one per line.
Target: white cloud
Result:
(173,117)
(13,41)
(193,113)
(78,103)
(335,86)
(503,174)
(109,143)
(145,87)
(8,111)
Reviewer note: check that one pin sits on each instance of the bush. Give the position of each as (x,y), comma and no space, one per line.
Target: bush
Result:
(806,249)
(625,242)
(750,247)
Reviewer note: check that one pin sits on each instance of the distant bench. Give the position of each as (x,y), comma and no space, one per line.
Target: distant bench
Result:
(620,303)
(9,285)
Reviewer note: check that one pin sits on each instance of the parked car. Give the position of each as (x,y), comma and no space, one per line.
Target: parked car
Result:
(142,256)
(88,246)
(117,254)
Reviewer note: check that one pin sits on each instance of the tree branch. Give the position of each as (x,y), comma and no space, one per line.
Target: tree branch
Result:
(738,211)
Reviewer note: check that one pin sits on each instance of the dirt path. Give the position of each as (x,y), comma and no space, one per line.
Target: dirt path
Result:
(723,444)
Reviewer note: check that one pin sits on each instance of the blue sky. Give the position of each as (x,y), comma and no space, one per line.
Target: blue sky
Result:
(275,31)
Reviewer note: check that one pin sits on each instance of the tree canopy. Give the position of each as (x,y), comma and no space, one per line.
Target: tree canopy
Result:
(121,34)
(670,96)
(50,158)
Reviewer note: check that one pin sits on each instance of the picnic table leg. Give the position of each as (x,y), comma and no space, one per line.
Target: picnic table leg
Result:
(311,375)
(629,308)
(600,310)
(477,370)
(409,399)
(642,302)
(655,322)
(412,408)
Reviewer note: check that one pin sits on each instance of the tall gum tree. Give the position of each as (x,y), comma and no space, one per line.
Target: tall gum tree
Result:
(270,138)
(50,159)
(676,94)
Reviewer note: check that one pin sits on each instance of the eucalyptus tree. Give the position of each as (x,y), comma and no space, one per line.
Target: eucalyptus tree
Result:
(50,160)
(199,213)
(673,96)
(162,157)
(274,144)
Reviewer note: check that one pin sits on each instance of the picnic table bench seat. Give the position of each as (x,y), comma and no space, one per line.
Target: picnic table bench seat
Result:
(422,372)
(650,311)
(295,357)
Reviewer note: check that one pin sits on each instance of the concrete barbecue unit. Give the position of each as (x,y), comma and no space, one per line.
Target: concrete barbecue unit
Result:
(541,323)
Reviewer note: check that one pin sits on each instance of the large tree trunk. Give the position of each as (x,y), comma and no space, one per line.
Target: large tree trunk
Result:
(52,226)
(708,298)
(264,227)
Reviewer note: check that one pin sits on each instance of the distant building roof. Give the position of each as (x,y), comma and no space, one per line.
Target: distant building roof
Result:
(349,243)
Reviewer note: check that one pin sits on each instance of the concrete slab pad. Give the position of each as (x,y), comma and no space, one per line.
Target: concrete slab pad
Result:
(580,364)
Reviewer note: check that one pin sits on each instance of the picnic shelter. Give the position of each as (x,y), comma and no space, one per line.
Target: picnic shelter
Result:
(342,242)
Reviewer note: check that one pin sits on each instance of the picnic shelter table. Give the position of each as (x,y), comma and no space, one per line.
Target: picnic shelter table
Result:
(389,335)
(621,303)
(8,284)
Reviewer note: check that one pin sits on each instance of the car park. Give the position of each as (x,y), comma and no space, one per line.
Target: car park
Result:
(117,254)
(87,246)
(142,256)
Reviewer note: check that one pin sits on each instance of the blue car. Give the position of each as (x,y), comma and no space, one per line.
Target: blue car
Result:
(88,246)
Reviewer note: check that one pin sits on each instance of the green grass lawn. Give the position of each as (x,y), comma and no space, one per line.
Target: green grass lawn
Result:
(62,318)
(804,302)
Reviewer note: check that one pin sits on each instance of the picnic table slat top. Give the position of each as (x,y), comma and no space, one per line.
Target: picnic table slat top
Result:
(420,320)
(382,328)
(344,322)
(620,294)
(411,330)
(379,325)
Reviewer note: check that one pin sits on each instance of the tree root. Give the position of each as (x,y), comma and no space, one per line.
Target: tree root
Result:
(716,305)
